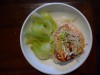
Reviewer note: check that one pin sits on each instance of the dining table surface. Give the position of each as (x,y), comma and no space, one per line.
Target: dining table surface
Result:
(12,15)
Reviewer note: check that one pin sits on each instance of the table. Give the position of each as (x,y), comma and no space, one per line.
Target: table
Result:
(12,16)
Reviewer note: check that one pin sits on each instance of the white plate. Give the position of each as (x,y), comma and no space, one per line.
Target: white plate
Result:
(48,66)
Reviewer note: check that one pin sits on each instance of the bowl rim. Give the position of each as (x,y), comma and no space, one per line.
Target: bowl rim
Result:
(67,5)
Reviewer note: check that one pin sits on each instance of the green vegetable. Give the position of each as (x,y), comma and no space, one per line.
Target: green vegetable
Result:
(42,38)
(40,34)
(45,21)
(61,36)
(43,27)
(49,17)
(31,40)
(42,50)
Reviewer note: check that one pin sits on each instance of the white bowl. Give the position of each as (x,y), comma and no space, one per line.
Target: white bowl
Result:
(48,66)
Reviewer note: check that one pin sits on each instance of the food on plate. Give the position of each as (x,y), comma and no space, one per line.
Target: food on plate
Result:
(53,38)
(69,42)
(40,35)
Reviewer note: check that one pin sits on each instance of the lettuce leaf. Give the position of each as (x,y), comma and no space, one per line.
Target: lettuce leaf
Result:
(40,34)
(42,50)
(42,38)
(49,17)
